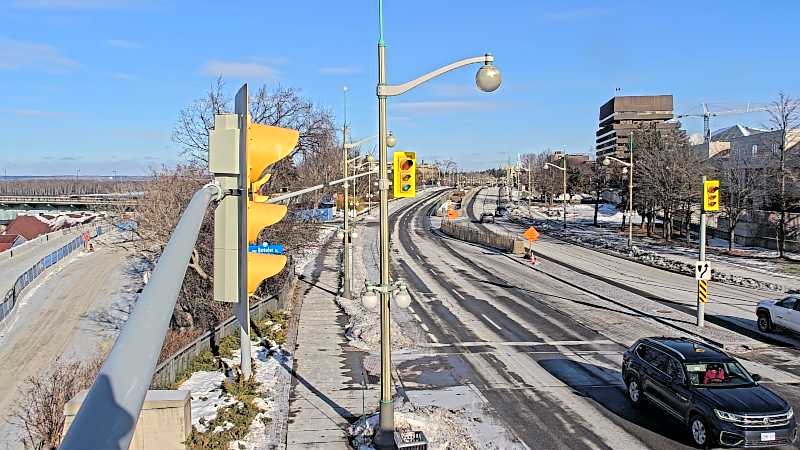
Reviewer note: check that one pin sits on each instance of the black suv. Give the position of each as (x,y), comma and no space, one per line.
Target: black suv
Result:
(707,390)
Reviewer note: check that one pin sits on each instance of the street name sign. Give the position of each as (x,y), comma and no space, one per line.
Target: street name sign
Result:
(266,249)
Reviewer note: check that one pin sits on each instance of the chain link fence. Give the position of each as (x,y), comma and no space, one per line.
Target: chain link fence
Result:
(10,298)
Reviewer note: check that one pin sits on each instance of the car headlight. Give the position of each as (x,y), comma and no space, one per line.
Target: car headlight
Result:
(729,417)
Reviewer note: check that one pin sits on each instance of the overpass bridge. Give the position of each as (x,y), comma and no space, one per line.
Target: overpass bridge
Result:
(71,202)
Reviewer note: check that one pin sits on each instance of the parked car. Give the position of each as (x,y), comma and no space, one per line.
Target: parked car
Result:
(487,217)
(708,391)
(784,313)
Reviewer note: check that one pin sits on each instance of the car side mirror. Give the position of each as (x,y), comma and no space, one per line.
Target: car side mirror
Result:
(756,377)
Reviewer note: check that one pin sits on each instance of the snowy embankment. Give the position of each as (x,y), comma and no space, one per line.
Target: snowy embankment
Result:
(676,258)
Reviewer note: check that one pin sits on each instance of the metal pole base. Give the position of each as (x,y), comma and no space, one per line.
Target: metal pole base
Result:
(384,436)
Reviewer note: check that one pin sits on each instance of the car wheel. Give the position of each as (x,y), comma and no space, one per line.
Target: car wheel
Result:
(634,391)
(700,434)
(764,323)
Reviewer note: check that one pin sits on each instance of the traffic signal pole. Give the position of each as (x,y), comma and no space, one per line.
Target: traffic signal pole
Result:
(243,304)
(701,306)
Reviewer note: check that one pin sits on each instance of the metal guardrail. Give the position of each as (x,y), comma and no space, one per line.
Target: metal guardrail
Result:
(107,418)
(10,298)
(65,200)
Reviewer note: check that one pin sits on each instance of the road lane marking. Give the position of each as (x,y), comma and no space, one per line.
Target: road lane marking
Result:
(425,327)
(433,338)
(411,309)
(491,322)
(459,295)
(418,318)
(527,343)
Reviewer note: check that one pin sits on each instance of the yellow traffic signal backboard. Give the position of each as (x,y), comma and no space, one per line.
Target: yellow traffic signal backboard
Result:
(711,195)
(405,174)
(266,146)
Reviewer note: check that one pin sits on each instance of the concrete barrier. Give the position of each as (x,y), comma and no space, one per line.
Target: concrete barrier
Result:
(164,423)
(503,242)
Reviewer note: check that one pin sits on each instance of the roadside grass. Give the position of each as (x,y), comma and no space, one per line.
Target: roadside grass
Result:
(232,423)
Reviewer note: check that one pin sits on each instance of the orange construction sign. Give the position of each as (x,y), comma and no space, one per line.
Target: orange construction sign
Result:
(452,214)
(531,234)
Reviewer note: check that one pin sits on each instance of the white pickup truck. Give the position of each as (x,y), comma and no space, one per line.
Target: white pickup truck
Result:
(784,313)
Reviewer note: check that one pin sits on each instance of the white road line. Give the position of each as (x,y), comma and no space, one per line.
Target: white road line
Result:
(433,338)
(411,309)
(491,322)
(528,343)
(459,295)
(417,318)
(425,327)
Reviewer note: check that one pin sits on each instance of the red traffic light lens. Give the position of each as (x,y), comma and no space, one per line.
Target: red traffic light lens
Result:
(406,164)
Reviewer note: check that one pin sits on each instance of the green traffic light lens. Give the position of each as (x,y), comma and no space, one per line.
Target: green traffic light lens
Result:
(406,187)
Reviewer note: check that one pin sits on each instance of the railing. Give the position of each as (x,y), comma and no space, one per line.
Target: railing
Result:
(10,298)
(503,242)
(167,372)
(107,418)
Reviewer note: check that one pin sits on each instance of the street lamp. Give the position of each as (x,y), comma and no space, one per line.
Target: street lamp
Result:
(487,79)
(347,235)
(627,168)
(564,170)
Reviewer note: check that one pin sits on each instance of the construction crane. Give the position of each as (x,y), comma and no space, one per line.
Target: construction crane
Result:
(707,114)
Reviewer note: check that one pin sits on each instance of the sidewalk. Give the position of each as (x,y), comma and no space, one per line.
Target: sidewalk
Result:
(327,393)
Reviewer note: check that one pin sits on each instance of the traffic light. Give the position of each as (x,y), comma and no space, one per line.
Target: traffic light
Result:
(711,195)
(265,146)
(239,219)
(405,174)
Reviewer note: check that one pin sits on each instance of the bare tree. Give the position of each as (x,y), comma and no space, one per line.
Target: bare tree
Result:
(39,411)
(668,172)
(740,184)
(195,121)
(784,115)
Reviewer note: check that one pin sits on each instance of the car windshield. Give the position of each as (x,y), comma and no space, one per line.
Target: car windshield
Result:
(718,374)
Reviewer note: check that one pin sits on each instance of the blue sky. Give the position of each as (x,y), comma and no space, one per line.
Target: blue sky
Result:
(96,85)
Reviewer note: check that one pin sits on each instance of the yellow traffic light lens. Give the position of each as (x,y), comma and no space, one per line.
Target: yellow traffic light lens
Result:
(406,177)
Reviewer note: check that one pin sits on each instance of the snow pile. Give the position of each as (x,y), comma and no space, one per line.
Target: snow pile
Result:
(444,429)
(207,397)
(301,261)
(364,331)
(647,256)
(268,361)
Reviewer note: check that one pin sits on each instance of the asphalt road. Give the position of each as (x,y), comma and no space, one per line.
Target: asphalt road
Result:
(544,355)
(56,316)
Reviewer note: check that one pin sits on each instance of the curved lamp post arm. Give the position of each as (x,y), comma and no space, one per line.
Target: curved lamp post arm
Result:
(357,143)
(390,90)
(553,165)
(626,164)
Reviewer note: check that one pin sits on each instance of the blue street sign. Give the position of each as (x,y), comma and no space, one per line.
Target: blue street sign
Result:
(269,249)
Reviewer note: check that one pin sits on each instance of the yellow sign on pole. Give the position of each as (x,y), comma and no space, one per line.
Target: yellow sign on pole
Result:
(711,195)
(702,291)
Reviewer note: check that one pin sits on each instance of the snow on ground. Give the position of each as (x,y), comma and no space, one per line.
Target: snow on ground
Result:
(300,262)
(443,428)
(757,267)
(207,397)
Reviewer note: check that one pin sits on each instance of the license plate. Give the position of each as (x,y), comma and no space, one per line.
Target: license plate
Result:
(767,436)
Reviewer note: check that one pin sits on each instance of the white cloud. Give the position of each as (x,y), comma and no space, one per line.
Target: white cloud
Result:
(19,54)
(443,106)
(122,43)
(69,4)
(340,70)
(238,69)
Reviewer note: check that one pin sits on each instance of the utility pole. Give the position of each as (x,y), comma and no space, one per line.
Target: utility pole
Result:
(347,277)
(565,189)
